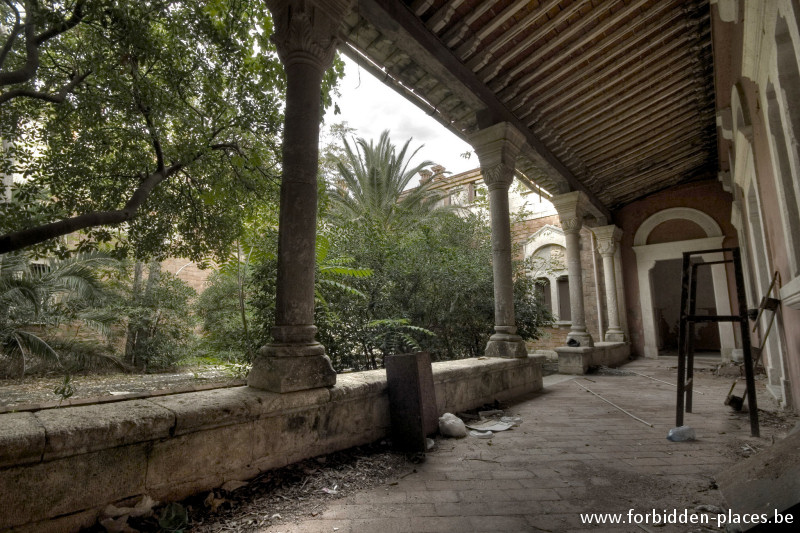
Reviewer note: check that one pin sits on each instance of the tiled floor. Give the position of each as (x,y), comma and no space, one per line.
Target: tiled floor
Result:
(573,454)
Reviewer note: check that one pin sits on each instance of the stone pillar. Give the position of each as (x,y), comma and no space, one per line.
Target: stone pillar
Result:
(607,243)
(306,39)
(497,148)
(569,207)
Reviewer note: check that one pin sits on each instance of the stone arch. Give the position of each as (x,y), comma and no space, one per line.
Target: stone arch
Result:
(648,254)
(706,222)
(550,235)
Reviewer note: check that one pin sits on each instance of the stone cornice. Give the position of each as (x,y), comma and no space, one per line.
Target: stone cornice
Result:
(306,31)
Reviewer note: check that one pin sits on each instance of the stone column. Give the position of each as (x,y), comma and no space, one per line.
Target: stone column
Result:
(607,243)
(306,39)
(497,148)
(569,207)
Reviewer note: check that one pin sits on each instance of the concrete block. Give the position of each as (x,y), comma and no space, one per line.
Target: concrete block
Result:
(76,430)
(200,455)
(22,439)
(412,400)
(611,353)
(574,360)
(32,493)
(206,409)
(262,403)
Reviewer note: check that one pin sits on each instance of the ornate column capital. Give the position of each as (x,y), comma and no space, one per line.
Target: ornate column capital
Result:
(498,147)
(306,31)
(570,207)
(607,239)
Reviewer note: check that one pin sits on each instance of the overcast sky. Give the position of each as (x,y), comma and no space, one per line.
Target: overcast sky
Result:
(370,107)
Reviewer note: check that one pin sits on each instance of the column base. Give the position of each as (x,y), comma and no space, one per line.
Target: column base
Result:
(506,345)
(583,338)
(615,336)
(291,367)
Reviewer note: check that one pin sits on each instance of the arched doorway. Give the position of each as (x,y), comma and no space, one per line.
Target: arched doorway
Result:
(661,240)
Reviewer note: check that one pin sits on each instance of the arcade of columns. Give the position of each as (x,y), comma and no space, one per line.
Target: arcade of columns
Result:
(306,39)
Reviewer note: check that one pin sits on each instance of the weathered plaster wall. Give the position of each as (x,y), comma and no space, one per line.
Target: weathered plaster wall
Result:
(60,467)
(706,196)
(775,234)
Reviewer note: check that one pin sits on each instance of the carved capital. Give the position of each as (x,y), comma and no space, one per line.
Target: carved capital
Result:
(570,210)
(607,239)
(571,224)
(306,31)
(497,176)
(497,148)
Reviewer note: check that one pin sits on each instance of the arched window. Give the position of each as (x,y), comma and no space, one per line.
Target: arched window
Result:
(543,294)
(564,314)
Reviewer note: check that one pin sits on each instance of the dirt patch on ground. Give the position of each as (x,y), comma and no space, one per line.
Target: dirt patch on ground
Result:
(290,494)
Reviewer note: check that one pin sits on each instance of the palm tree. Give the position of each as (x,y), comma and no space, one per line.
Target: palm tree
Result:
(44,295)
(373,178)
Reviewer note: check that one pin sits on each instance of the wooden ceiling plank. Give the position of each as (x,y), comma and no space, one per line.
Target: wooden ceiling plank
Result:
(618,118)
(419,7)
(581,78)
(471,45)
(634,104)
(488,53)
(679,125)
(616,44)
(522,48)
(546,130)
(574,30)
(668,144)
(670,149)
(455,35)
(604,96)
(669,57)
(442,17)
(634,185)
(656,117)
(398,24)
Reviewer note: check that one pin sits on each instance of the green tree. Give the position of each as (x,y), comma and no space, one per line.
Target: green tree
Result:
(156,310)
(151,124)
(371,186)
(35,298)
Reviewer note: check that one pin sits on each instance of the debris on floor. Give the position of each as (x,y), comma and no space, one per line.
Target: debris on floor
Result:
(681,434)
(452,426)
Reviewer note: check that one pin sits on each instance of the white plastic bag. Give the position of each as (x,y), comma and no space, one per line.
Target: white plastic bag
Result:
(452,426)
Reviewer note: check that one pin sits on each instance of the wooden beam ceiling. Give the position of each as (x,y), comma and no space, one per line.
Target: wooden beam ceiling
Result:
(614,98)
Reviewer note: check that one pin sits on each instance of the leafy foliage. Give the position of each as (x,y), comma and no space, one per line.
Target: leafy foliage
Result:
(431,286)
(157,312)
(370,184)
(160,115)
(38,297)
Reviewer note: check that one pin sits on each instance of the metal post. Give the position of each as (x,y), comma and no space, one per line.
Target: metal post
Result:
(752,404)
(682,341)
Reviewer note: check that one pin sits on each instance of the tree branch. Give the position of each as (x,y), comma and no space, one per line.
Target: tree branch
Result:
(55,98)
(74,20)
(33,41)
(16,240)
(13,35)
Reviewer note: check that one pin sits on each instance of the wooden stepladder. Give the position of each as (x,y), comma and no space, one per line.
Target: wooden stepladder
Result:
(686,332)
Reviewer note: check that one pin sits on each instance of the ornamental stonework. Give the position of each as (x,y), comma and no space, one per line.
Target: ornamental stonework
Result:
(306,30)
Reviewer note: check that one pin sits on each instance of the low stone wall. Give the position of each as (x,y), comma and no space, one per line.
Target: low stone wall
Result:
(577,360)
(60,467)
